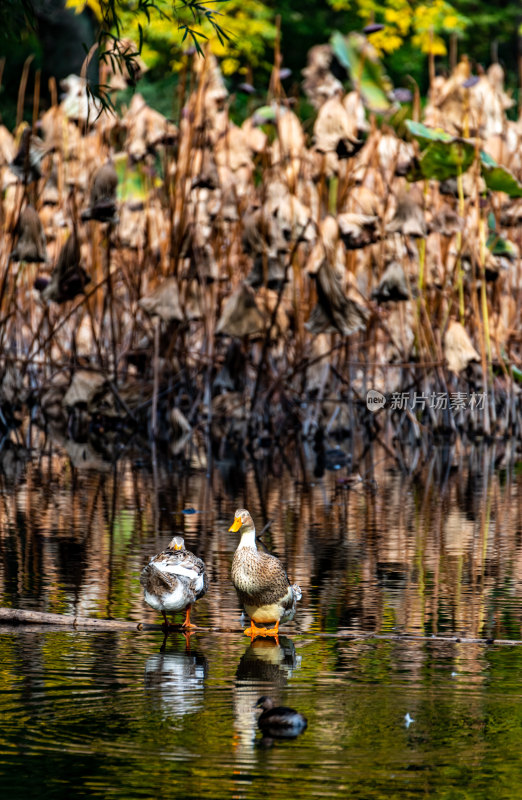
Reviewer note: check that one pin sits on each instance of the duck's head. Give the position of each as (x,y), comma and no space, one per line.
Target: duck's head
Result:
(176,543)
(266,703)
(242,522)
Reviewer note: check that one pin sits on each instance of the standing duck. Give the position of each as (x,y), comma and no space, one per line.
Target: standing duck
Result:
(173,580)
(261,581)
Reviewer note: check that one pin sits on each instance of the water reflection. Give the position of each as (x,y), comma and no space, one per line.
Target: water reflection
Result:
(175,679)
(108,716)
(433,547)
(430,552)
(265,661)
(264,668)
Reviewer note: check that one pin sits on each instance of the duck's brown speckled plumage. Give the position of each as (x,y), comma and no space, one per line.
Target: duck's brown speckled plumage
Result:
(174,579)
(260,579)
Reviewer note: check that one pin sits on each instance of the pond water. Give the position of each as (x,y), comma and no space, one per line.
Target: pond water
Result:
(376,549)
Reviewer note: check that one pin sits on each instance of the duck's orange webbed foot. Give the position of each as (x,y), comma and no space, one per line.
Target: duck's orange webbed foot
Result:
(187,623)
(253,631)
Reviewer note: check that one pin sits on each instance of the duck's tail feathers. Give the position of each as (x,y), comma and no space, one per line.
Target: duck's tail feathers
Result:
(297,591)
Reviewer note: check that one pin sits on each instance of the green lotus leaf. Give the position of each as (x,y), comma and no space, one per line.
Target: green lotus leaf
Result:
(497,178)
(425,135)
(442,160)
(265,114)
(501,247)
(444,155)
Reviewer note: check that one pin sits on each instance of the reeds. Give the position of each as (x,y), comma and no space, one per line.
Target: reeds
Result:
(214,206)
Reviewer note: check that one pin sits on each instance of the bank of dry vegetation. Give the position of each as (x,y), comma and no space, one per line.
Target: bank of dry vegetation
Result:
(257,281)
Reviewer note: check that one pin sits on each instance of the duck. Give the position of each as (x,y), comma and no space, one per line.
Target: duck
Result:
(173,580)
(261,581)
(279,721)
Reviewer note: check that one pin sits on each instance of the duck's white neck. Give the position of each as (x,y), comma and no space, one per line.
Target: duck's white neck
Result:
(248,537)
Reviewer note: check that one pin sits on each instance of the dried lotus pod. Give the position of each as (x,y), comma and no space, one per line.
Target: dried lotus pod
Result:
(29,156)
(30,245)
(146,129)
(68,278)
(102,196)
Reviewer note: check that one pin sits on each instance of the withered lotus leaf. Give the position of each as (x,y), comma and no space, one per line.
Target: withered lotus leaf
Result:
(357,230)
(164,302)
(241,316)
(84,387)
(393,285)
(334,311)
(458,348)
(409,218)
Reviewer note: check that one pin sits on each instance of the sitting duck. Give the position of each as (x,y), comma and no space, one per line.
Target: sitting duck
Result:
(279,722)
(173,580)
(261,581)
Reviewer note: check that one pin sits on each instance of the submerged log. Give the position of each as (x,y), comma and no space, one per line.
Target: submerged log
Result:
(34,619)
(19,616)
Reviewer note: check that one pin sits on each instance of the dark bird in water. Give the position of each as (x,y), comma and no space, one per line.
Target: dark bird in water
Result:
(68,278)
(261,581)
(102,197)
(173,580)
(279,722)
(30,245)
(26,163)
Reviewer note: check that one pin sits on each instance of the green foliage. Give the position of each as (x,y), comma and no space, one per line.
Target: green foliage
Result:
(425,23)
(497,178)
(240,34)
(364,67)
(16,17)
(444,156)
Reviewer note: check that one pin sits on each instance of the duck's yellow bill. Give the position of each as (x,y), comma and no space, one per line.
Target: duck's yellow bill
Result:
(235,525)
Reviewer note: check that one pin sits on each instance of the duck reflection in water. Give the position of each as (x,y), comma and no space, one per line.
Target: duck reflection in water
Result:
(176,680)
(264,668)
(267,661)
